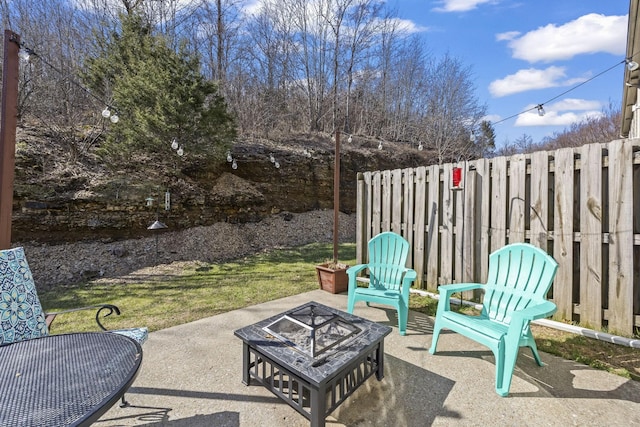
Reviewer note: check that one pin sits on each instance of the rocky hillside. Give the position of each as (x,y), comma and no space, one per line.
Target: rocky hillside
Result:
(58,199)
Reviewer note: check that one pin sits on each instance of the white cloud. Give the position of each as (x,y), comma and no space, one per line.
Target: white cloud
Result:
(251,7)
(509,35)
(530,79)
(460,5)
(575,104)
(588,34)
(493,118)
(407,26)
(561,113)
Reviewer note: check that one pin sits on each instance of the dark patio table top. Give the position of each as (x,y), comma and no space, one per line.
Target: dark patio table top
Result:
(69,379)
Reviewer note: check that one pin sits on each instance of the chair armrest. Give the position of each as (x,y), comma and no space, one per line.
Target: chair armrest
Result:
(447,290)
(538,311)
(353,271)
(409,277)
(50,317)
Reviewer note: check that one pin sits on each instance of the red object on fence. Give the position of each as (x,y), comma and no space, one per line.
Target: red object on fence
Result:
(456,177)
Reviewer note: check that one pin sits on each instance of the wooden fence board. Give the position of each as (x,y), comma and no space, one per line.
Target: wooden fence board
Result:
(498,203)
(446,228)
(420,226)
(386,201)
(481,201)
(620,236)
(433,228)
(408,211)
(376,215)
(458,207)
(397,194)
(591,235)
(563,232)
(469,229)
(539,206)
(517,199)
(368,185)
(361,228)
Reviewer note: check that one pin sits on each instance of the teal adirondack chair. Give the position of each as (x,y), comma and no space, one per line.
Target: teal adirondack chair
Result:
(389,278)
(515,294)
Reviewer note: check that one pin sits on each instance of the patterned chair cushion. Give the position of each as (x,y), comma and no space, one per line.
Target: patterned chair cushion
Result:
(21,315)
(136,334)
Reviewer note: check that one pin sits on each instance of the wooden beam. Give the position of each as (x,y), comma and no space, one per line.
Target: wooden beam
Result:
(9,112)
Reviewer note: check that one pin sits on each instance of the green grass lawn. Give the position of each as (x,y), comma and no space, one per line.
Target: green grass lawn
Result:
(201,291)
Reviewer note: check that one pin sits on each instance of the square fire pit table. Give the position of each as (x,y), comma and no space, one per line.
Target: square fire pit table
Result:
(313,357)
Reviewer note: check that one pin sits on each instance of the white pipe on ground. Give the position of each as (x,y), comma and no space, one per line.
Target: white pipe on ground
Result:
(590,333)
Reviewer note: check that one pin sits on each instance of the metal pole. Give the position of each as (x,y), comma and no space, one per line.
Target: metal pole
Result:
(336,196)
(8,122)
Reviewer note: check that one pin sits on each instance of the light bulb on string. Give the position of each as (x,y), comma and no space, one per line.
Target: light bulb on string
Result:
(277,165)
(106,113)
(114,119)
(380,146)
(234,165)
(174,144)
(350,138)
(24,55)
(271,158)
(229,158)
(180,152)
(420,147)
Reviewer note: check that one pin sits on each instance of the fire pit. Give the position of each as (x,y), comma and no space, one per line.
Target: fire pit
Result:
(311,329)
(313,357)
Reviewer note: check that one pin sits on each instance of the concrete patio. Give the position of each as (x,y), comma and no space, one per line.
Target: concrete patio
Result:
(191,376)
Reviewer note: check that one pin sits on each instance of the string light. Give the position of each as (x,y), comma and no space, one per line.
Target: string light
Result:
(380,145)
(174,144)
(631,65)
(25,54)
(420,146)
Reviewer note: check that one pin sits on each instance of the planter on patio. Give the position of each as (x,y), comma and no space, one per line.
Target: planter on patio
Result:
(333,279)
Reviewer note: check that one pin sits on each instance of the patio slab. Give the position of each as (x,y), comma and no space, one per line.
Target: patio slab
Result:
(191,376)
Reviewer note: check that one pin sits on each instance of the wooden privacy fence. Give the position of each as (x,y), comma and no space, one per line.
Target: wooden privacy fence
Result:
(581,205)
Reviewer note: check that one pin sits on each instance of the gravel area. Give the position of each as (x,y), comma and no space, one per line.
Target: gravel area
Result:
(54,265)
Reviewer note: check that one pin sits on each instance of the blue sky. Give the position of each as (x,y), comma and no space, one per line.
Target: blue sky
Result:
(525,53)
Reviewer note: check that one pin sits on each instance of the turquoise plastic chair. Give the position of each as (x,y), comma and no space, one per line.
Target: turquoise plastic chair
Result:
(515,294)
(389,278)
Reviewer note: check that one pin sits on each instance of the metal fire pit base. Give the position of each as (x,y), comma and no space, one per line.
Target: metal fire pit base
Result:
(313,387)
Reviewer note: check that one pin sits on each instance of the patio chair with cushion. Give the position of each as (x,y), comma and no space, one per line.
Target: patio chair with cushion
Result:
(389,278)
(21,314)
(519,278)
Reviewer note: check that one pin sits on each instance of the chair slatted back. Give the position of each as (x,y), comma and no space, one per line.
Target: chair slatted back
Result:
(388,254)
(519,274)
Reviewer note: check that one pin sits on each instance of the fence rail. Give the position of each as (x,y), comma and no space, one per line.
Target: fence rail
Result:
(581,205)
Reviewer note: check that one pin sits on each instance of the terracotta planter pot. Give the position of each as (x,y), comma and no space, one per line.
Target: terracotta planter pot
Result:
(332,280)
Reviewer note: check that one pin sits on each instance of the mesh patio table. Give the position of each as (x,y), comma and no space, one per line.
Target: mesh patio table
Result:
(314,385)
(65,380)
